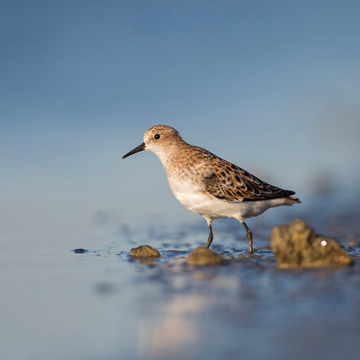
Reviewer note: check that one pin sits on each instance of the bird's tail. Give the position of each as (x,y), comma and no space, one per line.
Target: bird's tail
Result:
(290,200)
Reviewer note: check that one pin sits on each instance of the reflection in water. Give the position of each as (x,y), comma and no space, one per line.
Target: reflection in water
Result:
(174,327)
(175,330)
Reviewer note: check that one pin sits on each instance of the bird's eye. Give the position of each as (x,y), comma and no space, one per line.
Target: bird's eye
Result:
(156,136)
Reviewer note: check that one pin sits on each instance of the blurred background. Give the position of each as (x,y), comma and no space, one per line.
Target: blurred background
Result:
(272,86)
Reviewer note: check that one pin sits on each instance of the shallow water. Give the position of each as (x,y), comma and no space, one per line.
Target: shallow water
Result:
(101,304)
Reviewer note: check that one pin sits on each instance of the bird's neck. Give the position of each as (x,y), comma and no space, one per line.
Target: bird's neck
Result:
(175,157)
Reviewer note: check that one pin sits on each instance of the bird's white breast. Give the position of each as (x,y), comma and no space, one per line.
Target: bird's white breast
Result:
(196,199)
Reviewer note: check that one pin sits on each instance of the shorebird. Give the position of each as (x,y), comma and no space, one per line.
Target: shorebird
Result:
(208,185)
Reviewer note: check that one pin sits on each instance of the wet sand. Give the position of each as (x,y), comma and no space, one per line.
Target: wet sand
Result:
(103,304)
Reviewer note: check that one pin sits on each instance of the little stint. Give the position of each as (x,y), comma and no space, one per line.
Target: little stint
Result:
(208,185)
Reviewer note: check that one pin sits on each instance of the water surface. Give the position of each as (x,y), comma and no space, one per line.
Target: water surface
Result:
(100,304)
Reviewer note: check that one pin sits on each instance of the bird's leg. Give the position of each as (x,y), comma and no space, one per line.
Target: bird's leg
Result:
(211,236)
(249,236)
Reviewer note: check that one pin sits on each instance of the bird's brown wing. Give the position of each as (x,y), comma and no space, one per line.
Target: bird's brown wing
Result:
(229,182)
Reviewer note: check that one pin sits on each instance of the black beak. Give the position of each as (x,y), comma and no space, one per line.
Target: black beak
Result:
(141,147)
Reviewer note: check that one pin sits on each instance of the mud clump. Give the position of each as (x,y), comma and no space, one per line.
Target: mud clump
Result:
(296,245)
(144,251)
(203,256)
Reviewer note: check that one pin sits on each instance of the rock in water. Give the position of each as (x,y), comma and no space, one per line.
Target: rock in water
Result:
(80,251)
(203,256)
(144,251)
(297,246)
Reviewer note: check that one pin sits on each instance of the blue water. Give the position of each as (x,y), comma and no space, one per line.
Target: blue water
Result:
(57,304)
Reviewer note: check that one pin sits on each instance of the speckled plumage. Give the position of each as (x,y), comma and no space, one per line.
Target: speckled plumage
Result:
(208,185)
